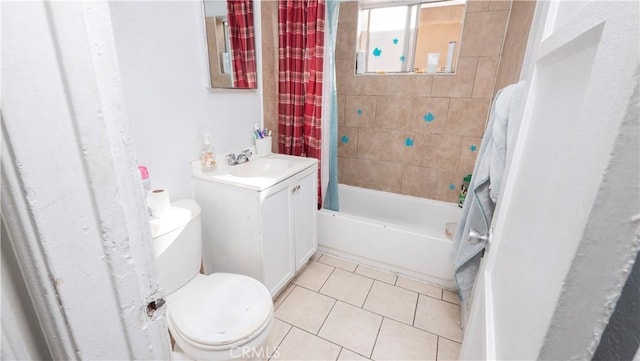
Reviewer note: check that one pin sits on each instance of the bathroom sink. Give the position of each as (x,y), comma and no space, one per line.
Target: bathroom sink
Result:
(261,167)
(258,173)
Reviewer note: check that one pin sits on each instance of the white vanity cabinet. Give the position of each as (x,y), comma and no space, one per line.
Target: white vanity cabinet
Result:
(303,213)
(267,231)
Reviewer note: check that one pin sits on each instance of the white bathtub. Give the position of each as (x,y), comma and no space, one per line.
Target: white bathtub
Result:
(389,231)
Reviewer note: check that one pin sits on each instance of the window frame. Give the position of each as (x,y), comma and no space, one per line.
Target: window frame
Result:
(410,32)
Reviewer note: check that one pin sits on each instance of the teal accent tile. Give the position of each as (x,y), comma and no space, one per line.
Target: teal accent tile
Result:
(452,186)
(409,142)
(345,139)
(429,117)
(473,148)
(359,111)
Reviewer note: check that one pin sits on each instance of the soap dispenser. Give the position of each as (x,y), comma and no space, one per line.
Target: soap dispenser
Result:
(207,156)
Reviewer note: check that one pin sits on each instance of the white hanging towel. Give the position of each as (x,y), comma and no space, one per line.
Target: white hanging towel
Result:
(484,187)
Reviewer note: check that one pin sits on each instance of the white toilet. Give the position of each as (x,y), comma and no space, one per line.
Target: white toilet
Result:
(221,316)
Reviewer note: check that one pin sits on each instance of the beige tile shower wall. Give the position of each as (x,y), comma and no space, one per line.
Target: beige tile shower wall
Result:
(269,20)
(393,106)
(515,42)
(386,138)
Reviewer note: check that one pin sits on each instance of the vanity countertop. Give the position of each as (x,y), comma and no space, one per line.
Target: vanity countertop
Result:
(259,173)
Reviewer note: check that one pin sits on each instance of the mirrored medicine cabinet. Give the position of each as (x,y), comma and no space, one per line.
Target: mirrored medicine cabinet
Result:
(230,37)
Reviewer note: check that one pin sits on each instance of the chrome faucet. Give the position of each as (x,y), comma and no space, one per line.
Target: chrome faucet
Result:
(243,157)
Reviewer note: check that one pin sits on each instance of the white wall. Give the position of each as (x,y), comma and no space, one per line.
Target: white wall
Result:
(161,51)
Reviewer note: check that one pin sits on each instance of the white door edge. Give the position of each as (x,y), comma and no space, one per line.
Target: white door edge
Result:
(490,341)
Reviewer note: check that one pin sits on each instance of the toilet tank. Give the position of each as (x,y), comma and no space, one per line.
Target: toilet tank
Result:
(177,242)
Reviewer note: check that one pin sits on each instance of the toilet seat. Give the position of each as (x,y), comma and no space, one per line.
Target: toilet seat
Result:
(219,311)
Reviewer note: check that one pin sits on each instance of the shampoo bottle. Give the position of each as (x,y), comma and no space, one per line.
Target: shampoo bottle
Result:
(207,156)
(463,190)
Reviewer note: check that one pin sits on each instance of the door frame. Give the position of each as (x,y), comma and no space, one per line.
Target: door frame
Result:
(72,199)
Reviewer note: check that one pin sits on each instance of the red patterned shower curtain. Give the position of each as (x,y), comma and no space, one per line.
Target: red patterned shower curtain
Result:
(241,33)
(301,53)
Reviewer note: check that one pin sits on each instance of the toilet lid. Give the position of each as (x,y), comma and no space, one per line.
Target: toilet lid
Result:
(219,309)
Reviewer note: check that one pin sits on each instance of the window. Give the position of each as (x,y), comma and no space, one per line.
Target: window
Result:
(418,37)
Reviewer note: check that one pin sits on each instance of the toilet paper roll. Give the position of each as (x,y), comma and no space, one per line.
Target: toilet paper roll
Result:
(158,202)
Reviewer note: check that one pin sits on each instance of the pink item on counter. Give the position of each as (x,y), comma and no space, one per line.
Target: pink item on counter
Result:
(144,174)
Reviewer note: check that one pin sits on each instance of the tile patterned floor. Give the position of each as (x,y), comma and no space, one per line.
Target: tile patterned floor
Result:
(339,310)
